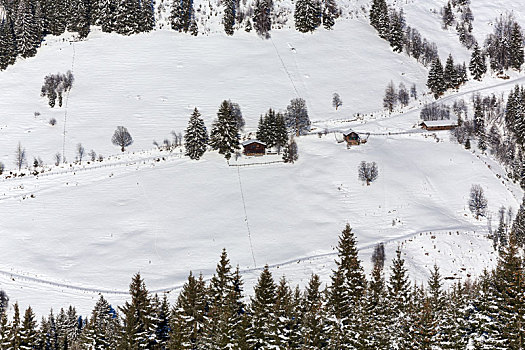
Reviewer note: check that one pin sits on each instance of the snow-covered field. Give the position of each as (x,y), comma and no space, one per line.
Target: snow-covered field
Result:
(85,229)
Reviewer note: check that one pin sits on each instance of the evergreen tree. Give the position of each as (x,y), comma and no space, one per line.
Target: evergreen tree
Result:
(78,18)
(103,327)
(224,135)
(263,330)
(196,136)
(26,30)
(477,65)
(435,81)
(518,227)
(516,47)
(189,315)
(296,117)
(290,154)
(330,13)
(147,15)
(280,133)
(228,19)
(448,16)
(313,320)
(138,329)
(379,18)
(262,17)
(307,15)
(400,298)
(4,331)
(127,16)
(397,30)
(287,315)
(28,333)
(7,45)
(107,19)
(15,331)
(162,330)
(450,75)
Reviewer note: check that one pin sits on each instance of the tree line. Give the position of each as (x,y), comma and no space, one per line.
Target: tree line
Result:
(353,311)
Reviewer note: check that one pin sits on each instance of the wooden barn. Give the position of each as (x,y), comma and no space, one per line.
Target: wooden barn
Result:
(254,148)
(437,125)
(352,138)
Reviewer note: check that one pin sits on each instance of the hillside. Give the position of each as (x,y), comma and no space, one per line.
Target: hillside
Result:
(85,229)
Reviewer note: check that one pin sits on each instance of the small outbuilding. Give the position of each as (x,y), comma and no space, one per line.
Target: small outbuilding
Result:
(254,148)
(352,138)
(437,125)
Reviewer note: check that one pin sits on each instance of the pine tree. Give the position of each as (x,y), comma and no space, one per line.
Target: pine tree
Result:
(262,17)
(290,154)
(224,135)
(346,295)
(313,327)
(450,75)
(103,327)
(263,330)
(280,132)
(518,227)
(477,65)
(379,18)
(330,13)
(137,317)
(196,136)
(107,19)
(15,331)
(4,331)
(189,315)
(78,18)
(127,15)
(228,19)
(147,15)
(399,296)
(516,47)
(307,15)
(448,16)
(25,30)
(28,333)
(182,15)
(396,32)
(435,81)
(287,316)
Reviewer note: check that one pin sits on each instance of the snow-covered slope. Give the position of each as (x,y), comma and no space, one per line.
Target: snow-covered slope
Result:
(84,229)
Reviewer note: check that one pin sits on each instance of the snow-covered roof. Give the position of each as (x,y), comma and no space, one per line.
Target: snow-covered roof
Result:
(445,122)
(348,132)
(247,142)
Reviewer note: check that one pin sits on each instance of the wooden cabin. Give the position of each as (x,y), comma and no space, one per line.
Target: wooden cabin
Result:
(437,125)
(352,138)
(254,148)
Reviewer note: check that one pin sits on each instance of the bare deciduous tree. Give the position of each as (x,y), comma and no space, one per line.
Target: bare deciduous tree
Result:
(58,158)
(20,156)
(336,101)
(368,172)
(93,155)
(478,202)
(122,138)
(80,152)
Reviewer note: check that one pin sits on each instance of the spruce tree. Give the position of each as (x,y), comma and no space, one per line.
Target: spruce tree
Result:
(262,17)
(477,66)
(280,133)
(137,317)
(400,298)
(396,32)
(107,19)
(196,136)
(287,315)
(228,20)
(313,320)
(26,30)
(516,47)
(78,18)
(307,15)
(330,13)
(182,15)
(291,153)
(435,81)
(518,227)
(379,18)
(263,330)
(102,330)
(15,331)
(224,135)
(189,315)
(147,15)
(28,333)
(450,75)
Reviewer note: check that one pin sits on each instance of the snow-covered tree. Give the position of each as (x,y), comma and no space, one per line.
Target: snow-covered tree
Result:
(435,81)
(196,136)
(477,202)
(262,17)
(477,65)
(224,135)
(296,117)
(307,15)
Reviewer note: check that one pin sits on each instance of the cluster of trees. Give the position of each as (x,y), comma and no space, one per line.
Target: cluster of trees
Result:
(225,136)
(435,111)
(391,25)
(272,130)
(504,47)
(451,77)
(352,312)
(27,22)
(402,95)
(463,22)
(55,85)
(309,14)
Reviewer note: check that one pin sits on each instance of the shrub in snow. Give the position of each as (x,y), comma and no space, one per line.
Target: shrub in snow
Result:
(52,121)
